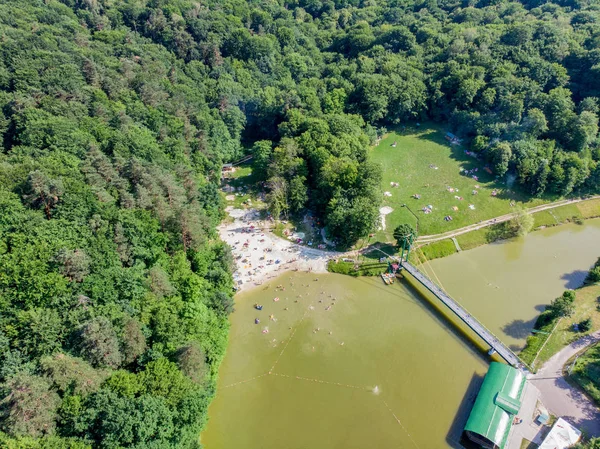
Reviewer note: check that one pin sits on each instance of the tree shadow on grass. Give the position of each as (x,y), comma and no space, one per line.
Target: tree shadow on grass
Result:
(457,152)
(467,163)
(249,183)
(378,250)
(500,231)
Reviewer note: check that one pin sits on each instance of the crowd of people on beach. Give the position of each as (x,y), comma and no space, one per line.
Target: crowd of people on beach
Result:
(260,255)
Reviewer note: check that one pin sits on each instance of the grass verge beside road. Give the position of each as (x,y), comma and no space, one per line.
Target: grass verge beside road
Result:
(586,372)
(586,303)
(439,249)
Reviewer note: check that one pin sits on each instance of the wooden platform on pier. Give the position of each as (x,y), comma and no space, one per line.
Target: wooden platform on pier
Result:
(502,350)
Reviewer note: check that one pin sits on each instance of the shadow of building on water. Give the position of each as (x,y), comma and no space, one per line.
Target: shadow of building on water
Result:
(455,437)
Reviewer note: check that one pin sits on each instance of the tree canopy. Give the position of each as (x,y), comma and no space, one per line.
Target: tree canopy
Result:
(116,117)
(111,272)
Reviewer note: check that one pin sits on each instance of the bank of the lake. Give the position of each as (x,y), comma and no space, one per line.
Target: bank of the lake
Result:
(567,214)
(320,393)
(507,284)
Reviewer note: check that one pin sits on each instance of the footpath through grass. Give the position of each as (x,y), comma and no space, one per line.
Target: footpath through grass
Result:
(553,217)
(424,163)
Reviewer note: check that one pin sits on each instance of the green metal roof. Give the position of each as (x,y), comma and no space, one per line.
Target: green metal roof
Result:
(498,400)
(507,403)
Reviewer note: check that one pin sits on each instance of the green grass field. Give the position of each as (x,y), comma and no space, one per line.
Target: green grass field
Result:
(439,249)
(570,212)
(246,184)
(408,164)
(586,304)
(546,218)
(585,307)
(586,372)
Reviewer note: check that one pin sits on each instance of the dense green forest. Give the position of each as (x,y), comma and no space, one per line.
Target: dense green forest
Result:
(309,84)
(116,116)
(114,287)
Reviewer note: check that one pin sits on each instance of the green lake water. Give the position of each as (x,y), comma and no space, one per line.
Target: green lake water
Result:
(377,366)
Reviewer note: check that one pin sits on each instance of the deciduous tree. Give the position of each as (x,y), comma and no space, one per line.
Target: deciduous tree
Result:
(28,406)
(99,343)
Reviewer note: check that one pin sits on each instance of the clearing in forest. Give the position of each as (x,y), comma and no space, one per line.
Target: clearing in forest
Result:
(423,169)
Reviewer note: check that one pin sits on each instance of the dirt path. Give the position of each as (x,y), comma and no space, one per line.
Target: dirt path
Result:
(500,219)
(561,398)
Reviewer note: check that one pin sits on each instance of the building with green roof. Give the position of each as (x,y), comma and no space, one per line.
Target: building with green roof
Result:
(498,401)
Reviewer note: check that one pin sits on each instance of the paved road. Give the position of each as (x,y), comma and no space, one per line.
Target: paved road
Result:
(561,398)
(446,235)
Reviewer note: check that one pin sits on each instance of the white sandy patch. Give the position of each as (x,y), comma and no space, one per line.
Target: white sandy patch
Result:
(230,197)
(385,210)
(255,271)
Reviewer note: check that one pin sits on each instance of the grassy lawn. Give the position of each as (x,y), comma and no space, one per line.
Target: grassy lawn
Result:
(439,249)
(246,188)
(472,239)
(570,212)
(467,241)
(589,209)
(408,164)
(586,304)
(586,372)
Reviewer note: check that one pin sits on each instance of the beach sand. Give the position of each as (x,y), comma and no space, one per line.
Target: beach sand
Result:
(261,242)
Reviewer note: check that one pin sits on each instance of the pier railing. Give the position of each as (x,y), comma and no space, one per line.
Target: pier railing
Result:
(472,322)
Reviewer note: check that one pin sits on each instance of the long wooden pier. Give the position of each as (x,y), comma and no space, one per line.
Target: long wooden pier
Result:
(502,350)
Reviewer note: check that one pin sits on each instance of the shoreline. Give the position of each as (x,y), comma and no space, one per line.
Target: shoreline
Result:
(427,239)
(446,240)
(260,255)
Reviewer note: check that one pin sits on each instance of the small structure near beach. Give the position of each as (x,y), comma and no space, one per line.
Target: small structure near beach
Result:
(451,138)
(498,402)
(226,170)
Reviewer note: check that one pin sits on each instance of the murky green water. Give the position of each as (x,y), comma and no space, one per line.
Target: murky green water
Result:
(310,382)
(506,285)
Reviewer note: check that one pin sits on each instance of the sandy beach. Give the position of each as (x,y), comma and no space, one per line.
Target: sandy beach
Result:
(260,255)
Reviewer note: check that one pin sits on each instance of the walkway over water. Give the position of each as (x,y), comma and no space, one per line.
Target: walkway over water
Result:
(502,350)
